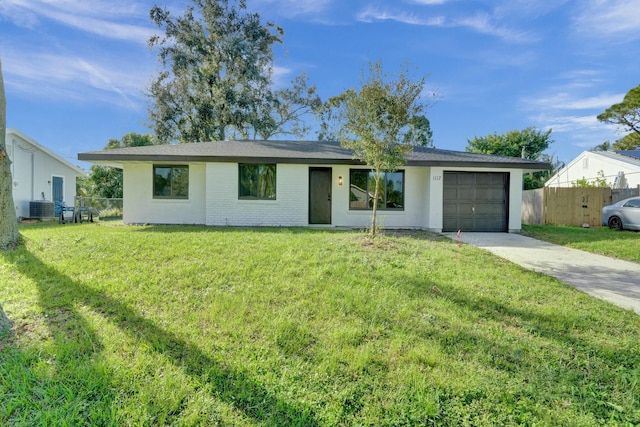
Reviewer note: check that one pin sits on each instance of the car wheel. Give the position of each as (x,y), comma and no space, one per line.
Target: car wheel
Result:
(615,223)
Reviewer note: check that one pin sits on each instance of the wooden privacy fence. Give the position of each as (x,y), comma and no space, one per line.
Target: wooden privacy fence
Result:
(569,206)
(575,206)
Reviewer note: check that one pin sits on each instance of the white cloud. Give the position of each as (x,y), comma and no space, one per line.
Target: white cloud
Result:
(613,18)
(484,24)
(21,17)
(71,77)
(429,2)
(572,114)
(567,101)
(103,18)
(569,123)
(582,131)
(526,8)
(281,76)
(292,8)
(103,28)
(481,23)
(372,14)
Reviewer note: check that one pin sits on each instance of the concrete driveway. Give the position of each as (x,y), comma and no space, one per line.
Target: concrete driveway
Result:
(607,278)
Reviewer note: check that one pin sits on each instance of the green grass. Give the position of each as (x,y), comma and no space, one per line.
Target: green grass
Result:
(149,326)
(599,240)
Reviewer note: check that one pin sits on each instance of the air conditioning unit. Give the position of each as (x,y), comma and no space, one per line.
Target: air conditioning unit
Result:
(41,209)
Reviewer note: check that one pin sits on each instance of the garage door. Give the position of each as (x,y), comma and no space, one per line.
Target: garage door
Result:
(475,201)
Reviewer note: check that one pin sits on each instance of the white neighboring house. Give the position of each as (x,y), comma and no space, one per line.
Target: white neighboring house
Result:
(38,173)
(621,169)
(310,183)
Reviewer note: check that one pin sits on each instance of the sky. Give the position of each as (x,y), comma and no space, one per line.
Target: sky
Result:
(76,72)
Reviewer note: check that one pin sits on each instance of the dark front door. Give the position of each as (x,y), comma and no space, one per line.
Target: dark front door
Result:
(57,193)
(320,196)
(475,201)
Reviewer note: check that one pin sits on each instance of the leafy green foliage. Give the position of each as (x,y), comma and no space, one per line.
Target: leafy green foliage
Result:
(217,77)
(285,114)
(132,139)
(528,143)
(382,121)
(605,146)
(599,182)
(630,141)
(106,181)
(218,64)
(210,326)
(419,132)
(537,179)
(625,113)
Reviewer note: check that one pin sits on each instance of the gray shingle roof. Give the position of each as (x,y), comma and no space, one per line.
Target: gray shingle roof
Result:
(630,153)
(621,156)
(307,152)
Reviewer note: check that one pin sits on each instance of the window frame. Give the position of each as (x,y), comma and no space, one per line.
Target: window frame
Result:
(634,203)
(256,179)
(171,196)
(369,178)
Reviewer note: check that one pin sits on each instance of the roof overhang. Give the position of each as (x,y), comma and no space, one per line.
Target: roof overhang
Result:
(118,160)
(295,152)
(76,169)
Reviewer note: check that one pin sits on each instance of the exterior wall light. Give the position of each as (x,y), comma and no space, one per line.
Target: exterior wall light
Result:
(339,180)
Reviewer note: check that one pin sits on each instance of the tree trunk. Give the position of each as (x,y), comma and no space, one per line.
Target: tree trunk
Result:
(374,214)
(9,234)
(5,323)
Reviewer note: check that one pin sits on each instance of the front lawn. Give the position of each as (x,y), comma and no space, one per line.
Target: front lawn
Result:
(148,326)
(599,240)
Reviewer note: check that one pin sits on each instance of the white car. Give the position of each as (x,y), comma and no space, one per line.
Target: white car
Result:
(624,214)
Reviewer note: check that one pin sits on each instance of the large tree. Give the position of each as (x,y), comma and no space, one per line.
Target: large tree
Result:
(528,143)
(9,234)
(625,113)
(330,118)
(630,141)
(217,60)
(106,181)
(284,113)
(381,121)
(605,146)
(537,179)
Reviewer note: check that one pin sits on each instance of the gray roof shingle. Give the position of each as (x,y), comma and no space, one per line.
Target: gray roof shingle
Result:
(622,156)
(630,153)
(307,152)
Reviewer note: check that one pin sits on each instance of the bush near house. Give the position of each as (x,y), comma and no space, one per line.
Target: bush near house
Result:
(118,325)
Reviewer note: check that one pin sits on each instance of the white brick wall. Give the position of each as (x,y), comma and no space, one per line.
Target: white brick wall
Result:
(139,206)
(413,215)
(289,209)
(213,199)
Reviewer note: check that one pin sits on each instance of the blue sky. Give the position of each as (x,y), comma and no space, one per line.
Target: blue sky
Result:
(76,71)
